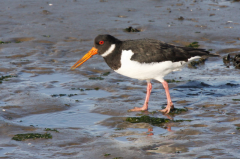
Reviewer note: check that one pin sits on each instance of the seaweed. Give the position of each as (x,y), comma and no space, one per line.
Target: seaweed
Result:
(70,95)
(22,137)
(193,45)
(194,64)
(58,95)
(78,89)
(176,110)
(62,95)
(172,81)
(5,42)
(96,78)
(107,154)
(47,36)
(49,129)
(152,120)
(87,89)
(119,129)
(8,42)
(2,78)
(105,73)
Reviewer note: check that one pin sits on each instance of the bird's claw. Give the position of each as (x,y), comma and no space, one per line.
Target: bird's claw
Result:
(137,109)
(167,109)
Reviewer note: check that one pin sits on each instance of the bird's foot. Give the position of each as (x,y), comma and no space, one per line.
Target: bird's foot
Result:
(167,109)
(138,109)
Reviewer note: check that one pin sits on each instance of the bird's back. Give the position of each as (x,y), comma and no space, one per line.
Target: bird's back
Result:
(150,50)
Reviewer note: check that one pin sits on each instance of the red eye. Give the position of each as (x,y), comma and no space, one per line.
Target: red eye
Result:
(101,42)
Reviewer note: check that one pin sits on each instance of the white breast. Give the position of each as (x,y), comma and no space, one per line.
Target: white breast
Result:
(146,71)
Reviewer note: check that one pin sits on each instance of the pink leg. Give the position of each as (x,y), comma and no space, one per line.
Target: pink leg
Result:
(149,132)
(145,106)
(169,101)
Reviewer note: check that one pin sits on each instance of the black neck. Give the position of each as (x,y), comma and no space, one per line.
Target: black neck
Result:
(114,59)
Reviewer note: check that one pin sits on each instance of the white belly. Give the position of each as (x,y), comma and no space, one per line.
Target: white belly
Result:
(147,71)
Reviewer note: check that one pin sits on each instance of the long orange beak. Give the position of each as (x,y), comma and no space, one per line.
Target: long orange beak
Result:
(87,56)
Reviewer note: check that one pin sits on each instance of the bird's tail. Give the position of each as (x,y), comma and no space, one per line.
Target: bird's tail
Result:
(200,52)
(213,55)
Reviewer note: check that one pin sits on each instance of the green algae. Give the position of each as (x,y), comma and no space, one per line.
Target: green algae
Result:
(5,42)
(58,95)
(5,78)
(117,129)
(96,78)
(22,137)
(152,120)
(47,36)
(8,42)
(107,154)
(62,95)
(176,110)
(70,95)
(99,77)
(105,73)
(147,119)
(193,45)
(81,89)
(172,81)
(87,89)
(49,129)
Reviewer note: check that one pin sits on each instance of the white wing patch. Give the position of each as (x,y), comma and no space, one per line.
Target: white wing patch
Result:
(109,51)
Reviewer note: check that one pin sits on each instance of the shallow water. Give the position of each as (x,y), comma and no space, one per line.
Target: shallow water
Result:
(90,115)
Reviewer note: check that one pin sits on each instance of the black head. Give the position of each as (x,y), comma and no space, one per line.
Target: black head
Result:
(104,43)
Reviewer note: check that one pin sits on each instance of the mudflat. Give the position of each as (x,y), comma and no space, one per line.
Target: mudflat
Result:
(86,110)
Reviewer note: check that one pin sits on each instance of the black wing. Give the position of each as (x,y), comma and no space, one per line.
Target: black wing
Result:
(148,51)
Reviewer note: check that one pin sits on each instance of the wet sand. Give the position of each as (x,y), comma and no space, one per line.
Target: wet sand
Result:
(41,40)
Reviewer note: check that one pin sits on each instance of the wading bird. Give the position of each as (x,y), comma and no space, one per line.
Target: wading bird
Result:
(143,59)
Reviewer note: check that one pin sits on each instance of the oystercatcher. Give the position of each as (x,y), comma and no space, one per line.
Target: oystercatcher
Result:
(143,59)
